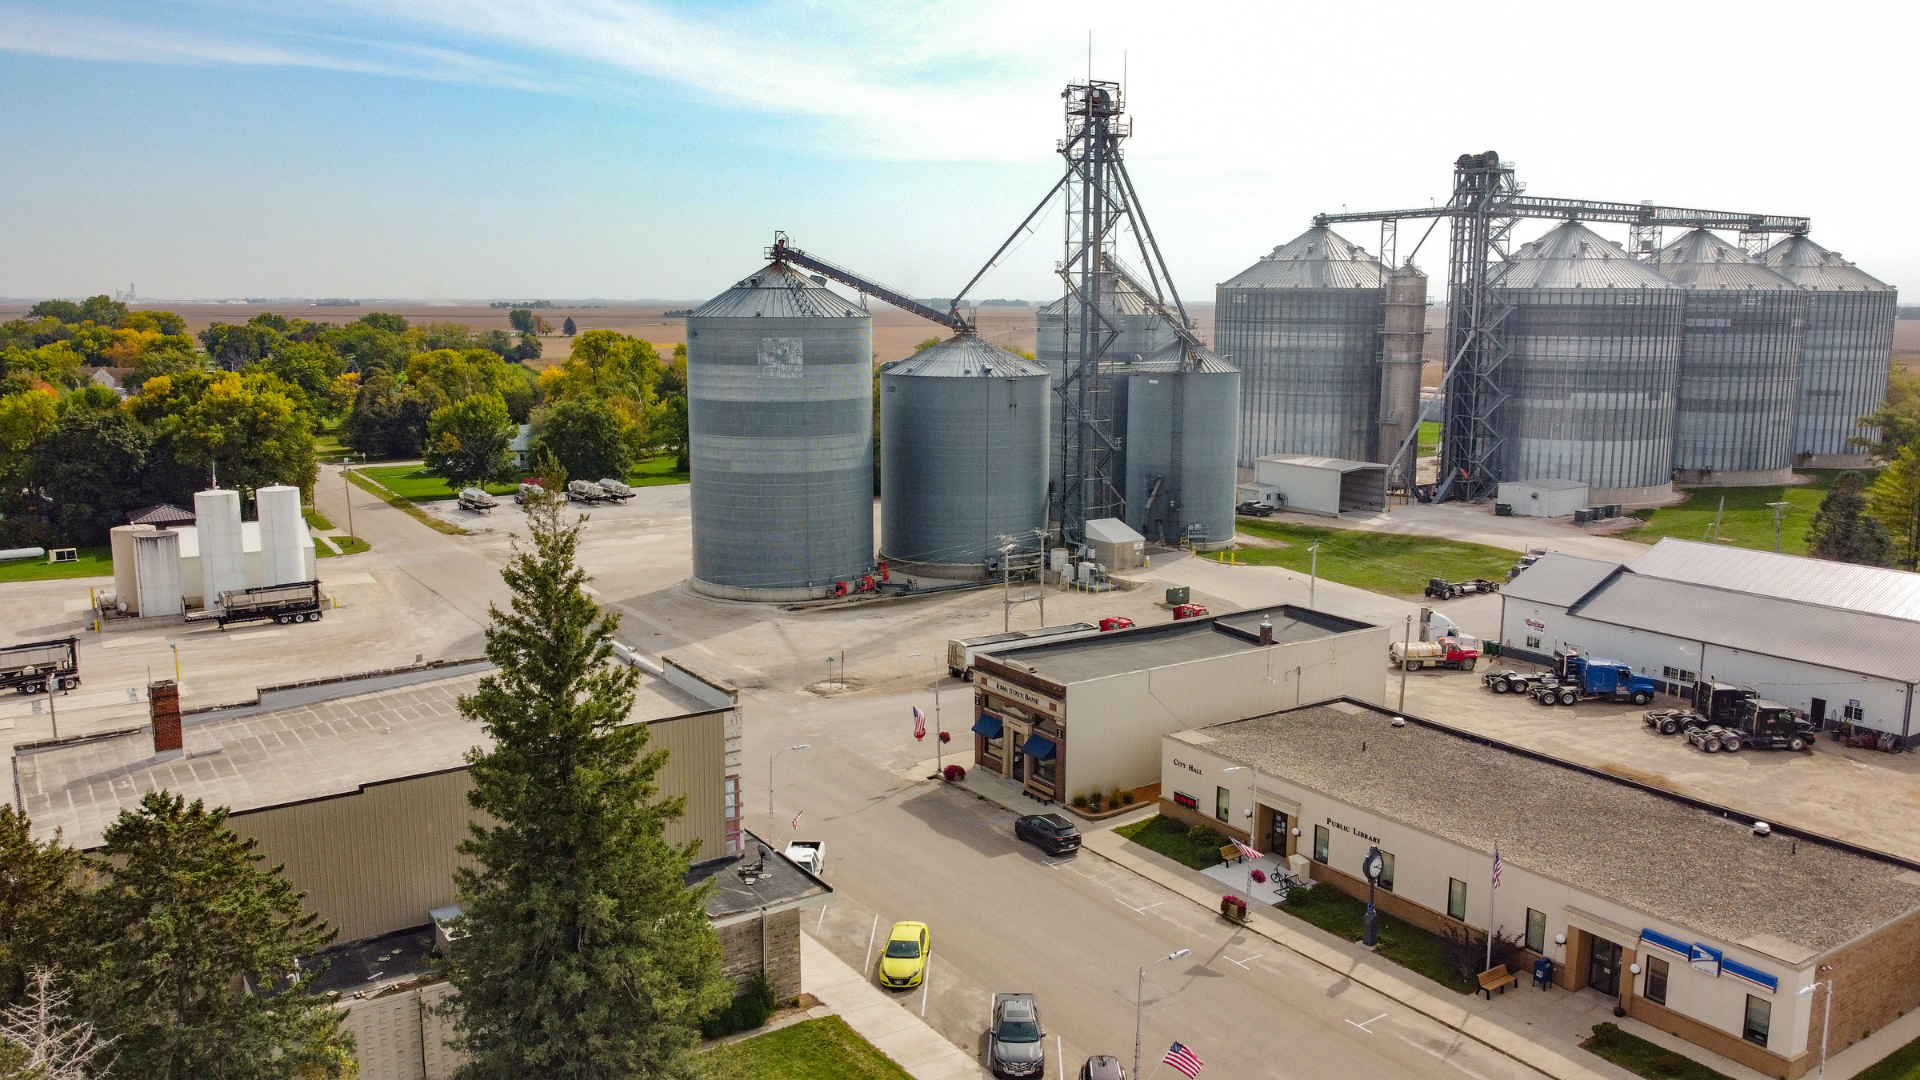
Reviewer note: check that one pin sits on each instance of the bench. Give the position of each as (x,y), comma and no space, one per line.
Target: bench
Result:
(1497,979)
(1229,853)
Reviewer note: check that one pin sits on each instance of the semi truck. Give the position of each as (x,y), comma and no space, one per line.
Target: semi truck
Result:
(1447,652)
(1713,703)
(1590,678)
(29,668)
(1760,724)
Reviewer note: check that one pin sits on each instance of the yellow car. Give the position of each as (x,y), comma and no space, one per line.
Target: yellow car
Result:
(905,961)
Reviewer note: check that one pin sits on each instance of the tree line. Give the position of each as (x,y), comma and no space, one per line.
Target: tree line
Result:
(1878,523)
(171,953)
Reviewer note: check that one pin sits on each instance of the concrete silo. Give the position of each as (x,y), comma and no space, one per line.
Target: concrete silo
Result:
(1739,364)
(1589,382)
(1183,404)
(963,456)
(1303,327)
(780,429)
(1848,352)
(1403,343)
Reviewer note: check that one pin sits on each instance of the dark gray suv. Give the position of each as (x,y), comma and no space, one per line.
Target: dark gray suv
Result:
(1103,1067)
(1017,1046)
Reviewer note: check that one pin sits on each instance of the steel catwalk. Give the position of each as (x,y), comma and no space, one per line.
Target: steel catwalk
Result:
(1587,391)
(963,455)
(1303,326)
(1739,363)
(1849,346)
(1183,408)
(780,428)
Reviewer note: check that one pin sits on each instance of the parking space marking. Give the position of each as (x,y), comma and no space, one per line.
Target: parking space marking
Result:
(1139,910)
(926,983)
(1363,1026)
(870,933)
(1243,963)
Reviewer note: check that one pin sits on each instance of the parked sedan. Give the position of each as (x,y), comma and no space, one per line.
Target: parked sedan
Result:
(1054,834)
(905,961)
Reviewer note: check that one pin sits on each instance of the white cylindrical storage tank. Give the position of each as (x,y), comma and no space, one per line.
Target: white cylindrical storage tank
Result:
(963,456)
(223,565)
(282,555)
(158,592)
(125,583)
(1183,408)
(780,432)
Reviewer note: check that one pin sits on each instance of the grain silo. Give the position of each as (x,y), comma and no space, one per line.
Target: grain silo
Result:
(1303,327)
(223,560)
(963,456)
(1139,332)
(1403,343)
(1739,364)
(1593,364)
(283,557)
(1183,404)
(780,432)
(1848,352)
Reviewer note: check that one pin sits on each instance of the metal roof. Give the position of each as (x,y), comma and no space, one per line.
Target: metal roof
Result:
(1789,629)
(1870,589)
(1808,264)
(779,292)
(1180,356)
(1701,260)
(1344,465)
(1117,295)
(1573,256)
(1316,259)
(1559,579)
(964,355)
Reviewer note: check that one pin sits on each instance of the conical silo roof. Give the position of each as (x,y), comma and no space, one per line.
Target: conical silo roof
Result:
(1573,256)
(1316,259)
(1118,297)
(779,292)
(1701,260)
(966,356)
(1180,356)
(1807,264)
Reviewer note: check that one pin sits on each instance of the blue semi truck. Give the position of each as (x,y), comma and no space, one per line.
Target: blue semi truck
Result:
(1589,678)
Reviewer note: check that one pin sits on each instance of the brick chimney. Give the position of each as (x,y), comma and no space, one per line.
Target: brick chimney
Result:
(163,704)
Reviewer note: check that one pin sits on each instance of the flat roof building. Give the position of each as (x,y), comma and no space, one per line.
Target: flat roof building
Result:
(1066,718)
(1839,642)
(1699,925)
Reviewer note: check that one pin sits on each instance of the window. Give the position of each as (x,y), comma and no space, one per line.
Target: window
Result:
(1536,931)
(1656,990)
(1533,642)
(1386,870)
(1456,899)
(1759,1015)
(1853,712)
(1223,804)
(1322,840)
(1680,674)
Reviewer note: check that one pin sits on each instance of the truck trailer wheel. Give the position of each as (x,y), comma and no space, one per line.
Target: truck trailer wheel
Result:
(1711,744)
(1412,665)
(1796,744)
(1730,743)
(1568,697)
(1641,697)
(1669,726)
(1470,664)
(1499,686)
(1544,697)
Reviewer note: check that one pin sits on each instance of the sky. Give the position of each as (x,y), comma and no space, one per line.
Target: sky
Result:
(441,149)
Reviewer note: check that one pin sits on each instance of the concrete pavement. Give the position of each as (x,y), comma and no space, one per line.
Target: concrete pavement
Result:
(894,1030)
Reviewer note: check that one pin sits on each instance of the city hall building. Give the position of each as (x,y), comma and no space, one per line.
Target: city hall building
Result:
(1695,922)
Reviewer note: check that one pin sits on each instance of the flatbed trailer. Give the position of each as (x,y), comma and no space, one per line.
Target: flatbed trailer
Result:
(295,602)
(27,669)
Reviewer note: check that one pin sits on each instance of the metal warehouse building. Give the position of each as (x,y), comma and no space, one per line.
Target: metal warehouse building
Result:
(1676,909)
(1838,641)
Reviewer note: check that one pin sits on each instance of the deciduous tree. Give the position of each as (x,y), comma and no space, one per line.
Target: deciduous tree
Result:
(1843,531)
(588,958)
(251,428)
(92,469)
(467,442)
(587,437)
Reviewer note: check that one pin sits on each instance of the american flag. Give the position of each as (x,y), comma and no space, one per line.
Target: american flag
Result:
(1245,850)
(1496,866)
(1183,1059)
(919,723)
(796,819)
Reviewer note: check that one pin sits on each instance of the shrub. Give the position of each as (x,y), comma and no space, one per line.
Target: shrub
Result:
(1113,797)
(1095,801)
(744,1013)
(1670,1064)
(1201,834)
(1466,953)
(1126,798)
(1080,801)
(1607,1034)
(954,773)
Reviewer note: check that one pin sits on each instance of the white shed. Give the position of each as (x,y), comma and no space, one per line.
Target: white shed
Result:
(1114,545)
(1543,498)
(1322,485)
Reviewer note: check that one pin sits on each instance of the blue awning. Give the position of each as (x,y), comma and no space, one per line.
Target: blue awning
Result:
(989,725)
(1038,747)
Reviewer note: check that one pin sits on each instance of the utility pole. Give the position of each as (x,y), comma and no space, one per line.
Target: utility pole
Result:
(1313,579)
(1717,515)
(1406,642)
(1779,511)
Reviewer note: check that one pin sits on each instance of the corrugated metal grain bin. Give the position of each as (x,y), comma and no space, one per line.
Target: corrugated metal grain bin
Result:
(1182,408)
(1849,348)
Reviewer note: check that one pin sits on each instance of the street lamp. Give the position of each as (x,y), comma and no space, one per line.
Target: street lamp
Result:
(771,758)
(1253,802)
(1139,990)
(1825,1021)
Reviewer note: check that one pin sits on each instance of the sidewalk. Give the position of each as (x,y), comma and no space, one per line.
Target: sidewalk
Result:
(896,1032)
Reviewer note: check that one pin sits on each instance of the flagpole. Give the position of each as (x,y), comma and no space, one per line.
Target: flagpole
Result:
(1493,895)
(939,759)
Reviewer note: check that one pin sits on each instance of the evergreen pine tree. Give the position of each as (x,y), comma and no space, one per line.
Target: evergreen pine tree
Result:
(1842,530)
(568,328)
(587,957)
(191,967)
(37,898)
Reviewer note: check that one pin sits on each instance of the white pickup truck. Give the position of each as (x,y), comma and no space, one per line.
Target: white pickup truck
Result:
(810,855)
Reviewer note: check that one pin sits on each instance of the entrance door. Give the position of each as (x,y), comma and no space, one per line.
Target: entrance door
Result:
(1818,713)
(1277,835)
(1603,972)
(1018,766)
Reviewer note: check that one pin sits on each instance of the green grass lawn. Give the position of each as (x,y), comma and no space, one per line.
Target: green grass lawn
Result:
(1655,1062)
(93,562)
(823,1049)
(1332,910)
(1902,1064)
(1747,521)
(1174,840)
(1429,441)
(349,545)
(405,506)
(316,520)
(1379,562)
(654,472)
(416,483)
